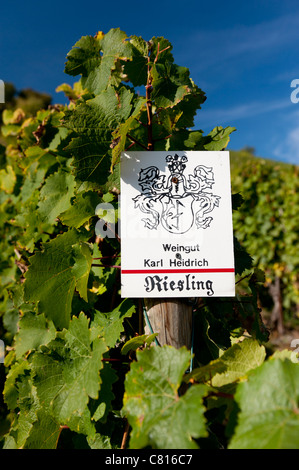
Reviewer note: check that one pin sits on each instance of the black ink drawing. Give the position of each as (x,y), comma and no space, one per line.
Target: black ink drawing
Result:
(177,203)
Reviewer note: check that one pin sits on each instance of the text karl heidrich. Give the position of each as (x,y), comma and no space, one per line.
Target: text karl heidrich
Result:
(188,282)
(177,262)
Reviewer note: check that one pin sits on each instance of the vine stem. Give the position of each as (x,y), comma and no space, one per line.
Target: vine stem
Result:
(136,141)
(149,104)
(125,435)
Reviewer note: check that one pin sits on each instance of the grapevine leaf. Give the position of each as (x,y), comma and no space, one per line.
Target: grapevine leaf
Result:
(95,58)
(84,57)
(94,122)
(92,157)
(249,311)
(55,196)
(136,68)
(11,392)
(99,442)
(81,268)
(9,443)
(268,401)
(243,260)
(120,134)
(136,342)
(44,433)
(110,325)
(82,209)
(80,422)
(170,84)
(27,406)
(7,179)
(233,365)
(66,377)
(101,407)
(35,155)
(159,417)
(34,331)
(181,116)
(238,360)
(218,138)
(114,46)
(54,273)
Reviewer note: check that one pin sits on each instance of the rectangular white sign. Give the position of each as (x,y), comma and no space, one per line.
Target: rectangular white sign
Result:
(176,224)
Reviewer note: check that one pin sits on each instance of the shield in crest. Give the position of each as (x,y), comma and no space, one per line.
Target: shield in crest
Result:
(177,213)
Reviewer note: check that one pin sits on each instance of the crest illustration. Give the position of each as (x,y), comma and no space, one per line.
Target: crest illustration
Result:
(176,202)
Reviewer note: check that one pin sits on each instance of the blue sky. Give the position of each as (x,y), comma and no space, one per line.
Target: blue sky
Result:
(244,55)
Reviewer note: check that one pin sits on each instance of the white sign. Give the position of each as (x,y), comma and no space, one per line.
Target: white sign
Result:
(176,224)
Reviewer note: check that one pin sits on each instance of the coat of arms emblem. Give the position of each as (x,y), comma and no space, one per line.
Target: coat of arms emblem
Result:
(176,202)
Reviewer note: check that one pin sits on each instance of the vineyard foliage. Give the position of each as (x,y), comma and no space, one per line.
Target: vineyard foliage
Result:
(267,223)
(79,371)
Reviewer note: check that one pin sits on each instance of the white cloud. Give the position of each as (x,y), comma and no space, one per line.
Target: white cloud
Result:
(243,111)
(250,41)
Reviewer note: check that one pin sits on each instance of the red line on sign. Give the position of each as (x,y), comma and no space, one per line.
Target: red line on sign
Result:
(174,271)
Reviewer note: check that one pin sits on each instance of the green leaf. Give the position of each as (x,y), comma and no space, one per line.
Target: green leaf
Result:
(99,442)
(136,68)
(82,209)
(218,138)
(159,416)
(92,157)
(232,365)
(170,84)
(55,196)
(268,402)
(7,179)
(11,392)
(96,59)
(34,331)
(181,116)
(84,57)
(238,360)
(28,405)
(114,46)
(110,325)
(94,121)
(135,343)
(120,134)
(44,433)
(101,407)
(81,268)
(54,274)
(68,375)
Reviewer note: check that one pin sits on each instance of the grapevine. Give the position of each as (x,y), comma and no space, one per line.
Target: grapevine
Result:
(79,372)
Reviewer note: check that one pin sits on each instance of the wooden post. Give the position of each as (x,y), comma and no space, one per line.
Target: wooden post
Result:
(171,319)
